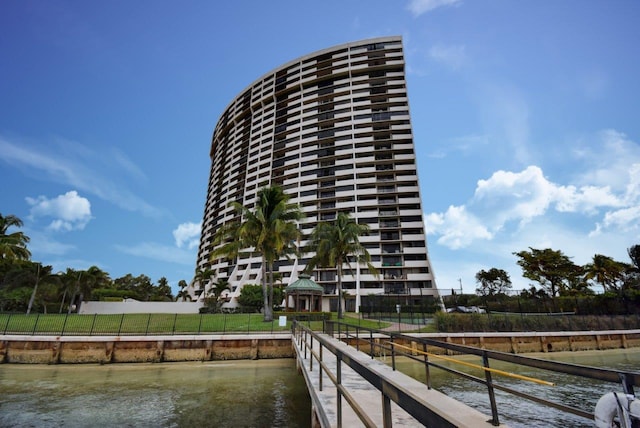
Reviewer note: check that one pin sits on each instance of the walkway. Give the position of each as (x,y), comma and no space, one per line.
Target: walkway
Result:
(445,410)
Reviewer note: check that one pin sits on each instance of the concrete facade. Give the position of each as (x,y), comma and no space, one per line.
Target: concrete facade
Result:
(333,129)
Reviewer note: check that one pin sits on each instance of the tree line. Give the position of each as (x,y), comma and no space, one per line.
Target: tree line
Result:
(559,284)
(27,285)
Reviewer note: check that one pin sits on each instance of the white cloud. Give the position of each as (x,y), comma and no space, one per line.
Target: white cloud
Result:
(519,197)
(68,165)
(69,211)
(453,56)
(457,228)
(608,160)
(187,233)
(418,7)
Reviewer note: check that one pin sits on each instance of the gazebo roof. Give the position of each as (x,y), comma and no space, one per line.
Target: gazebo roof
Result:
(304,284)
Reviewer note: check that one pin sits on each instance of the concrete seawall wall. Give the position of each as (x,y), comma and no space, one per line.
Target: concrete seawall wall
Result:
(142,349)
(138,349)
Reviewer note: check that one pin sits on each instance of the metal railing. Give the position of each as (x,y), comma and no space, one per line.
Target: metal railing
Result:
(425,351)
(390,391)
(140,324)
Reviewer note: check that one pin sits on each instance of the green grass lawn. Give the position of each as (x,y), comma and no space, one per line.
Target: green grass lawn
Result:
(151,324)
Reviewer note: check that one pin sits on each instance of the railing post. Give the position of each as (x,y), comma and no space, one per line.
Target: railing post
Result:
(426,365)
(393,354)
(357,338)
(371,343)
(492,397)
(320,364)
(338,383)
(386,411)
(200,324)
(311,359)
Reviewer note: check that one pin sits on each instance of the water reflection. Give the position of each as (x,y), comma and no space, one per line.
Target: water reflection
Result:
(266,393)
(570,390)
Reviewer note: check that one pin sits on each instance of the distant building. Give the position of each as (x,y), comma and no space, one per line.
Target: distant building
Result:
(333,129)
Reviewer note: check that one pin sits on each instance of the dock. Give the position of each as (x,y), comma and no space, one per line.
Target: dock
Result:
(350,389)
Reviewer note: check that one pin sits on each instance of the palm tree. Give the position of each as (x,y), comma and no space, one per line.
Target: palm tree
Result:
(218,287)
(68,280)
(605,271)
(203,277)
(334,244)
(13,246)
(270,229)
(43,275)
(183,295)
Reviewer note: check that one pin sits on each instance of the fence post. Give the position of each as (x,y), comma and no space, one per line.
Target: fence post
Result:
(93,323)
(200,324)
(6,326)
(35,324)
(64,324)
(120,327)
(224,323)
(146,332)
(175,319)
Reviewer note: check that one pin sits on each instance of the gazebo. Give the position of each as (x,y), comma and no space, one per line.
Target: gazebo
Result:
(305,294)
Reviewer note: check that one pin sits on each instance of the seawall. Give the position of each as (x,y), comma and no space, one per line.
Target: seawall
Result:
(144,349)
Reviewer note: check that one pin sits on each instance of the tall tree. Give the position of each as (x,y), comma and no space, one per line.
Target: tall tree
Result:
(492,282)
(333,244)
(634,255)
(552,269)
(218,287)
(203,278)
(270,229)
(162,291)
(13,246)
(43,275)
(606,272)
(69,283)
(632,275)
(183,295)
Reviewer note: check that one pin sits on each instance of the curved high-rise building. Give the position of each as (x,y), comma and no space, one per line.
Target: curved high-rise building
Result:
(333,129)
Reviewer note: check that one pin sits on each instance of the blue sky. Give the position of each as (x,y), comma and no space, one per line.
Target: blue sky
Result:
(525,118)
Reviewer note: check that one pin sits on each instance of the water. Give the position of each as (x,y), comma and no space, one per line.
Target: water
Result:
(516,412)
(264,393)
